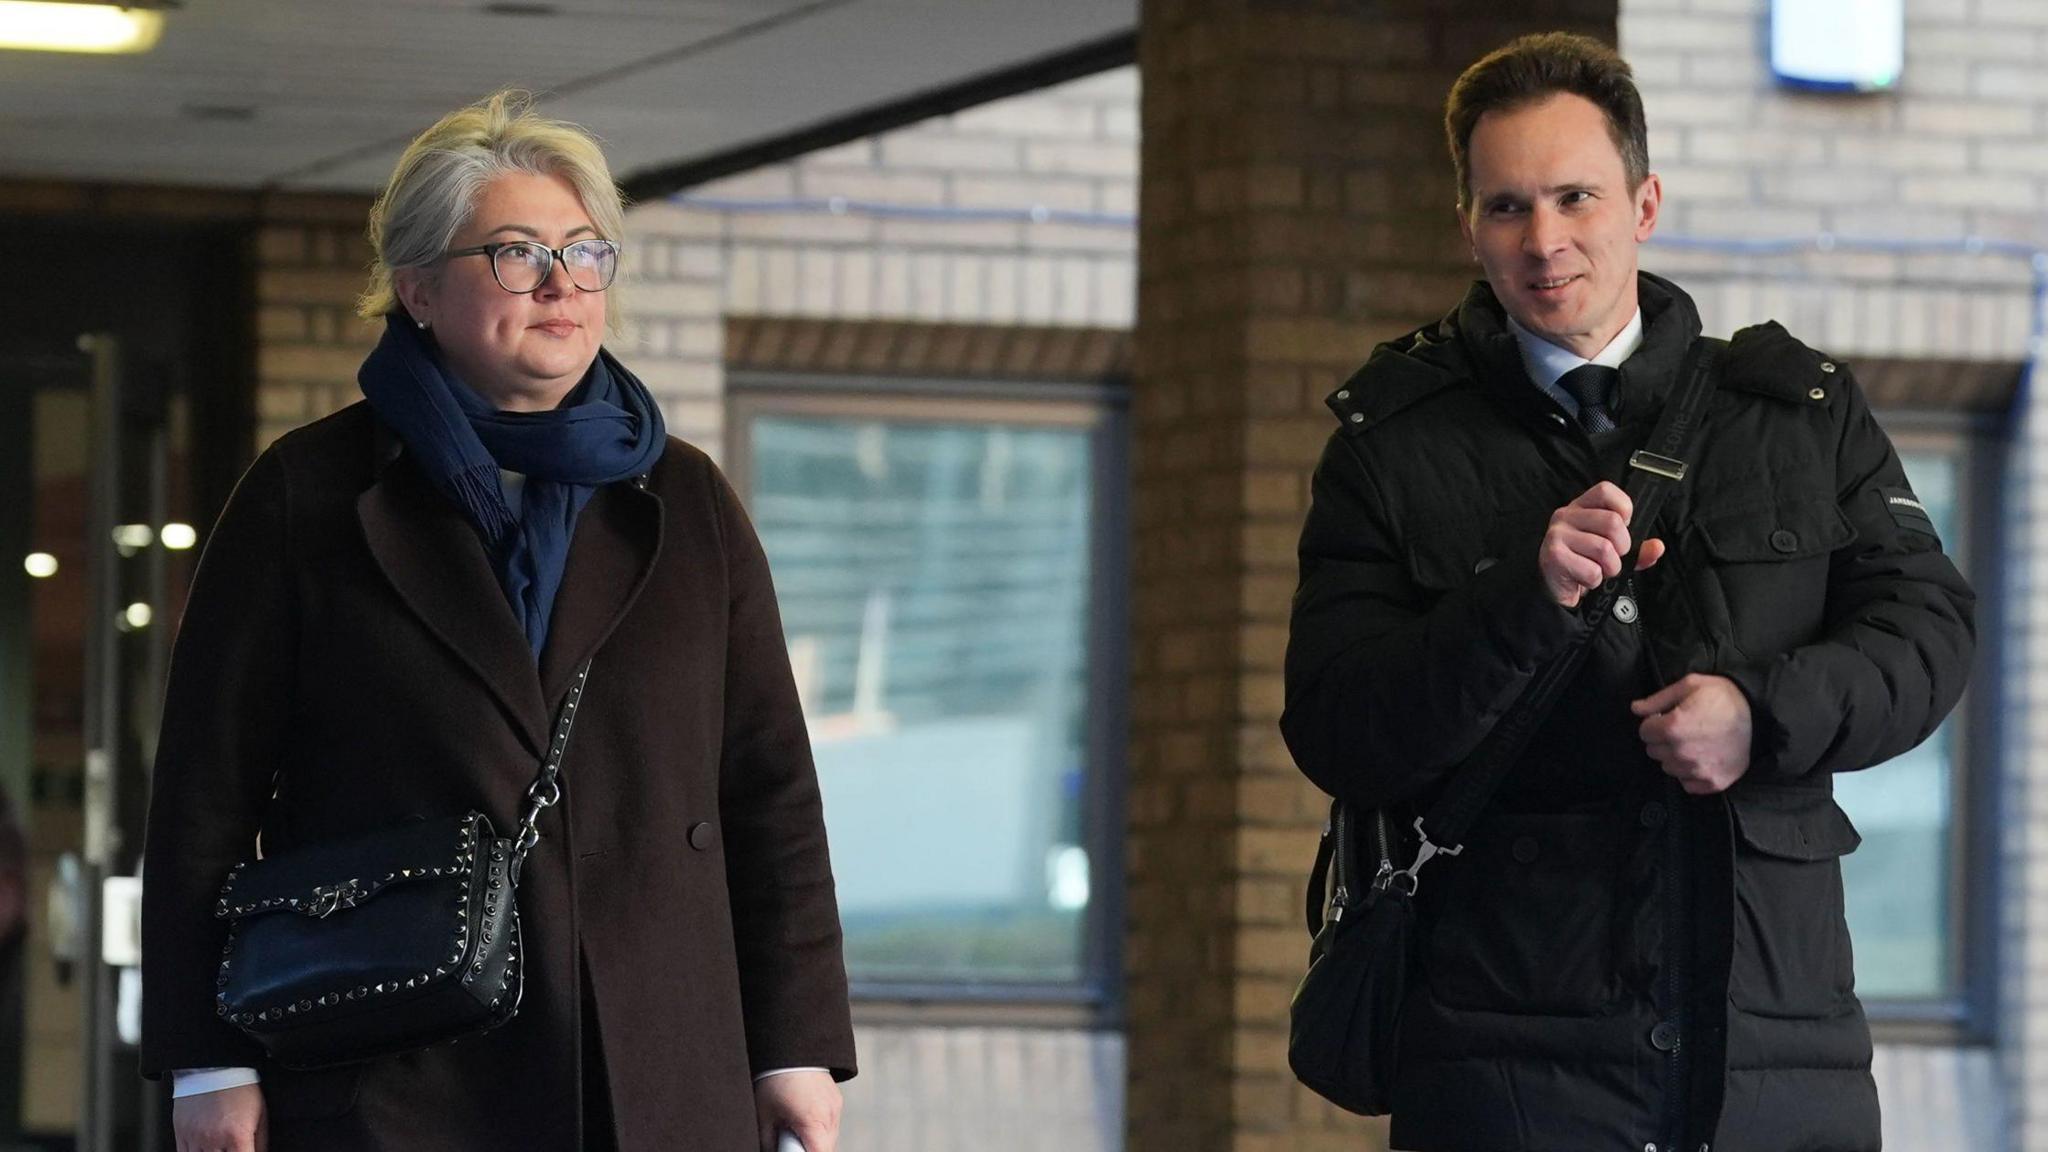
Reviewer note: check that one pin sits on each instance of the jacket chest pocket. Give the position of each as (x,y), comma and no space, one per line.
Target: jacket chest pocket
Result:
(1792,953)
(1762,573)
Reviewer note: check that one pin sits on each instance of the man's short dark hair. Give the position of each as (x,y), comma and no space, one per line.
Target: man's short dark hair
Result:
(1533,68)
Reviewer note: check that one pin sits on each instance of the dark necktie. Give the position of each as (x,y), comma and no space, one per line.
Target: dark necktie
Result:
(1592,385)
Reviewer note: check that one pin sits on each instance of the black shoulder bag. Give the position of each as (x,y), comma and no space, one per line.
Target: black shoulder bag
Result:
(1344,1022)
(384,943)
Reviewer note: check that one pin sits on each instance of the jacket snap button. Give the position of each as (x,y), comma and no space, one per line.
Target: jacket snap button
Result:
(1485,562)
(700,836)
(1827,366)
(1358,417)
(1664,1037)
(1785,540)
(1525,850)
(1652,815)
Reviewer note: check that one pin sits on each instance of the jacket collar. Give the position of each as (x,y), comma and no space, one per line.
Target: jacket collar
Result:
(1670,324)
(436,562)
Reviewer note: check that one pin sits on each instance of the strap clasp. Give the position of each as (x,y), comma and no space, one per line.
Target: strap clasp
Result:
(1656,465)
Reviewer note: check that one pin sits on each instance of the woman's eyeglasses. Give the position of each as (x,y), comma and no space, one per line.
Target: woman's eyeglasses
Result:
(522,266)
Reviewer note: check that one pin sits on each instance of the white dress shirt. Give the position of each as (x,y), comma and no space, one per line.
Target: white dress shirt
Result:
(1547,363)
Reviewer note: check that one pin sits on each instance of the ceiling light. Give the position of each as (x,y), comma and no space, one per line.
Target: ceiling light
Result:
(132,538)
(134,618)
(45,26)
(178,537)
(40,565)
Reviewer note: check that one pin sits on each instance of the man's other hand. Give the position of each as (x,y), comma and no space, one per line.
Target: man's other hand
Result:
(1698,731)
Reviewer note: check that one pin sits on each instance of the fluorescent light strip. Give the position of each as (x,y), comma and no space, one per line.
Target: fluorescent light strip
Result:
(38,26)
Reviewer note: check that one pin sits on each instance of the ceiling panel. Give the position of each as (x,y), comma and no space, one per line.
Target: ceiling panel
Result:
(323,93)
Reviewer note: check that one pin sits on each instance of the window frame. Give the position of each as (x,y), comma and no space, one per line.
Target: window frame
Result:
(1095,998)
(1977,443)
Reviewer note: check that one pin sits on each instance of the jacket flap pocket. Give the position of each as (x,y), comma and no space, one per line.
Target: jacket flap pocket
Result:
(1448,556)
(1800,824)
(1792,528)
(319,879)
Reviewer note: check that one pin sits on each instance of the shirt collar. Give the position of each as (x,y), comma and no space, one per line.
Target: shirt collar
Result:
(1546,362)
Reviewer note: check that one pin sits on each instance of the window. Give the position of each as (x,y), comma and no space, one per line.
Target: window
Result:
(1916,901)
(947,568)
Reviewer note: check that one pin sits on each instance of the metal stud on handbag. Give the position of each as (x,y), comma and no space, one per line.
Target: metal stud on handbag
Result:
(384,943)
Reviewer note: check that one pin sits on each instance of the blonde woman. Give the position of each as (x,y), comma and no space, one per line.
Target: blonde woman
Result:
(387,619)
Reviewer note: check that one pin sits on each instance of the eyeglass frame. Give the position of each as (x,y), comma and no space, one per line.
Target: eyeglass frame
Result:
(555,256)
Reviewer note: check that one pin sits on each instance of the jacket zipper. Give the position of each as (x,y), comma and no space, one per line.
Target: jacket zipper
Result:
(1677,948)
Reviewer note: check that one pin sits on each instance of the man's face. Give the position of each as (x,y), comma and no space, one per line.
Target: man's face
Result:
(1553,222)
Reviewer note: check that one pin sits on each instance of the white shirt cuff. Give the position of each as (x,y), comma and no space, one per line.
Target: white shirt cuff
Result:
(785,1071)
(193,1081)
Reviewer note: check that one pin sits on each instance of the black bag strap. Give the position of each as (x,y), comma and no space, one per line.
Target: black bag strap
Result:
(1652,474)
(546,790)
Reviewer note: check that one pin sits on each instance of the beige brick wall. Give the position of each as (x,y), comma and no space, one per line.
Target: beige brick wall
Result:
(1959,150)
(932,225)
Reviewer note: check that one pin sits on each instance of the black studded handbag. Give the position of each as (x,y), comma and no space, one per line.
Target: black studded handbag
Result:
(389,942)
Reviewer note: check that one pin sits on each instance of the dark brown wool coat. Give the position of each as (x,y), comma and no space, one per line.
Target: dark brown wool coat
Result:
(348,660)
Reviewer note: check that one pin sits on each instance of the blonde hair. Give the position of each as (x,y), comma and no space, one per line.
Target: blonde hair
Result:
(433,191)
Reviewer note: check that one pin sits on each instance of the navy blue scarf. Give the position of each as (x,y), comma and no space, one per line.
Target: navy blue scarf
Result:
(607,430)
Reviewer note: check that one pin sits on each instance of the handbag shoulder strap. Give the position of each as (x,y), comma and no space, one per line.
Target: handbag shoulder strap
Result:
(546,790)
(1650,477)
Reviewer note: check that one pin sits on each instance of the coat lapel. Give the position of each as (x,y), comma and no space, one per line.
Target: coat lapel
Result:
(617,540)
(437,564)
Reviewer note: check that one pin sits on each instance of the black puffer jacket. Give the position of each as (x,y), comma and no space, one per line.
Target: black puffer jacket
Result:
(1612,964)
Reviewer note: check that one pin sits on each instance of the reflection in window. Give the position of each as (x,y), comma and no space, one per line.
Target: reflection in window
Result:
(934,583)
(1897,883)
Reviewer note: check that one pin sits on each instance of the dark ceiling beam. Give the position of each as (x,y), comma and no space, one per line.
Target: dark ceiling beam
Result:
(1071,64)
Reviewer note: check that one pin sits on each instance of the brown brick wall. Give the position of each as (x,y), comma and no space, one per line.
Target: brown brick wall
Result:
(312,262)
(1296,209)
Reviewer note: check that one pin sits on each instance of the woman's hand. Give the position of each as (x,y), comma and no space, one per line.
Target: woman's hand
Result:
(230,1120)
(805,1103)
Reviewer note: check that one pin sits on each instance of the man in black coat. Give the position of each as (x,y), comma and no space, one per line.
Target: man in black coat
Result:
(1643,945)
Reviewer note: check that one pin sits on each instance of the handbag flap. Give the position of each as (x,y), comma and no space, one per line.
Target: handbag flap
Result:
(317,879)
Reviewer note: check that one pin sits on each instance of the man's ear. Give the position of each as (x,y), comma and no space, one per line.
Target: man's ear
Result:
(1649,202)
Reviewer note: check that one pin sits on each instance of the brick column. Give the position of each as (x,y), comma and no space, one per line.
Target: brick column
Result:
(1296,207)
(312,261)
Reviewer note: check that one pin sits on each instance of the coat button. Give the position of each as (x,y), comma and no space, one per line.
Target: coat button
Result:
(1652,815)
(1664,1037)
(1625,609)
(1484,563)
(1524,850)
(1785,540)
(700,836)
